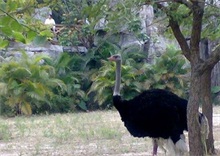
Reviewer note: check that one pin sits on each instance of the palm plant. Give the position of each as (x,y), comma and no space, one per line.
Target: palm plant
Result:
(26,82)
(170,71)
(103,81)
(69,69)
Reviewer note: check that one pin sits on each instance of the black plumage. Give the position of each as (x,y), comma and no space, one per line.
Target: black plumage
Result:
(154,113)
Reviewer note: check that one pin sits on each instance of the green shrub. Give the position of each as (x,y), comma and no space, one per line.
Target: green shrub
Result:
(104,79)
(168,72)
(27,83)
(69,68)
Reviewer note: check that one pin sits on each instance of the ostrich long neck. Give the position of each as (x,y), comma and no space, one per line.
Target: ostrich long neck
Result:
(118,78)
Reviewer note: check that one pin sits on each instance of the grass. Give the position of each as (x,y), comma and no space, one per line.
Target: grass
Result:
(79,134)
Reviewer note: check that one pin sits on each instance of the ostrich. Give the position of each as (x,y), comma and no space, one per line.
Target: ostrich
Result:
(155,113)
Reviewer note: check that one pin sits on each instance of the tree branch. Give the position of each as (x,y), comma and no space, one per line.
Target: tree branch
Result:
(177,32)
(185,2)
(198,10)
(213,59)
(180,38)
(24,25)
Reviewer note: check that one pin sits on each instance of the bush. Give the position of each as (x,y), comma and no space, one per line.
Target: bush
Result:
(168,72)
(27,83)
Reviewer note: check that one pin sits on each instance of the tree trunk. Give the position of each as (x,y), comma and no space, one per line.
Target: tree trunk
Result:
(207,108)
(195,144)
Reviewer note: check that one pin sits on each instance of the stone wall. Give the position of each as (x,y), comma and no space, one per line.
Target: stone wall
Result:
(47,48)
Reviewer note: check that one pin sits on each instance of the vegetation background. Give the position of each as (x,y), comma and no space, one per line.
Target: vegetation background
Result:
(40,84)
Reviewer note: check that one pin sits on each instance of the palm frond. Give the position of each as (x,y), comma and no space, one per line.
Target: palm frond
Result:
(26,108)
(20,73)
(3,88)
(57,83)
(38,58)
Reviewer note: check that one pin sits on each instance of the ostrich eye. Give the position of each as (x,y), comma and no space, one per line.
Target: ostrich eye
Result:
(116,56)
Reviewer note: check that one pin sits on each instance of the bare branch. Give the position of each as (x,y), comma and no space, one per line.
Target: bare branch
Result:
(198,10)
(180,38)
(213,59)
(185,2)
(177,32)
(215,55)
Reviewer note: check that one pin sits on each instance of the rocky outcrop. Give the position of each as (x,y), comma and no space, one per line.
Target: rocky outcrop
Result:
(52,50)
(152,46)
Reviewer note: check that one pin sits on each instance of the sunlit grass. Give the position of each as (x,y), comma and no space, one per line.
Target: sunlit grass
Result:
(94,134)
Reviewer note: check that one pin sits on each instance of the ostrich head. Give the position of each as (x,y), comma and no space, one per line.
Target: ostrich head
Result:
(116,58)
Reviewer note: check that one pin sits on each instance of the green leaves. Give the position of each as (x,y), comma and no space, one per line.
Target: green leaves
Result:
(21,72)
(16,26)
(3,43)
(25,82)
(11,28)
(26,108)
(215,89)
(169,72)
(17,23)
(211,23)
(68,69)
(104,79)
(38,40)
(18,37)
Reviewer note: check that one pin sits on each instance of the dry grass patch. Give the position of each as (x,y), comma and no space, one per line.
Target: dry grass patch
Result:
(79,134)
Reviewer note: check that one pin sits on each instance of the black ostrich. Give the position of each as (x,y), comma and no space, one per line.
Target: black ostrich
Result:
(156,113)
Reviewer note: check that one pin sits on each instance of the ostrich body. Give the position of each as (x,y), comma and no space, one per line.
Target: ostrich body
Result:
(156,113)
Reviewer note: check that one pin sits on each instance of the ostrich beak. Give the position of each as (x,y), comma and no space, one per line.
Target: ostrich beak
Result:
(111,58)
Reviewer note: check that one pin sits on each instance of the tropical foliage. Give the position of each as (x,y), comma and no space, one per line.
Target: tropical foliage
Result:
(18,23)
(194,19)
(77,72)
(103,83)
(168,72)
(26,83)
(76,31)
(68,69)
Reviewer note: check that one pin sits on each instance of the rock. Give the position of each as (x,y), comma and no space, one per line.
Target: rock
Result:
(42,13)
(47,48)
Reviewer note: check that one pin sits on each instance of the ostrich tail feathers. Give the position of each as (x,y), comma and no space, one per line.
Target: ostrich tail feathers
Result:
(204,126)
